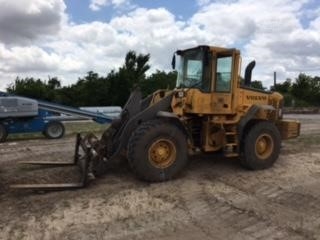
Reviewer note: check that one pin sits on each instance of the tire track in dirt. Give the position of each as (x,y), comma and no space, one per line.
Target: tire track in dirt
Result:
(278,204)
(210,200)
(221,218)
(46,149)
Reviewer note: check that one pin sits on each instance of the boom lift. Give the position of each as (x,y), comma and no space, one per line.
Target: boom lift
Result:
(209,110)
(26,115)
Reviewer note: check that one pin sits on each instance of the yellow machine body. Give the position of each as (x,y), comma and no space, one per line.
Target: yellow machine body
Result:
(219,109)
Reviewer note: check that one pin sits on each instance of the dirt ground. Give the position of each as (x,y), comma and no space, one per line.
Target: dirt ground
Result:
(214,198)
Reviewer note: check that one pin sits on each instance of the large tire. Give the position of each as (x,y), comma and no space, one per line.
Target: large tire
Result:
(54,130)
(3,133)
(157,151)
(261,146)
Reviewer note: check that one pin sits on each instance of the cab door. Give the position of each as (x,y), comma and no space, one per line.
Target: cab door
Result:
(223,84)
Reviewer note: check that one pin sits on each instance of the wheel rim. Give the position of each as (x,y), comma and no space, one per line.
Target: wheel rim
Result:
(162,153)
(54,130)
(264,146)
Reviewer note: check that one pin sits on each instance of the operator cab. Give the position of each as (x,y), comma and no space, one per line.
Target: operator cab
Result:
(194,68)
(208,69)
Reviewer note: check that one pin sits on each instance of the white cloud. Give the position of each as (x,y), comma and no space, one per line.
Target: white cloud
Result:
(96,5)
(203,2)
(269,31)
(25,20)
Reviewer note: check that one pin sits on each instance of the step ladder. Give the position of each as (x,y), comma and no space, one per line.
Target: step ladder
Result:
(231,148)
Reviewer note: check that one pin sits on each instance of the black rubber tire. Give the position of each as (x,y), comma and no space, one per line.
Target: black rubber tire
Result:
(142,140)
(3,133)
(54,130)
(270,136)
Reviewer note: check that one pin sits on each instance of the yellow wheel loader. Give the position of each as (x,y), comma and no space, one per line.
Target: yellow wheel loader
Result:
(210,110)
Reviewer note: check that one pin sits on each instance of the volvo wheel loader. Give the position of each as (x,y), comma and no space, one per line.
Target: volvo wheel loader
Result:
(211,109)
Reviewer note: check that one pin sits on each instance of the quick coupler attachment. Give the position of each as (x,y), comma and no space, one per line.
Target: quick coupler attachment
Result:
(82,158)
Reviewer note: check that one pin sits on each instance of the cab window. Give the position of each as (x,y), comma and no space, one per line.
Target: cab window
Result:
(223,74)
(194,70)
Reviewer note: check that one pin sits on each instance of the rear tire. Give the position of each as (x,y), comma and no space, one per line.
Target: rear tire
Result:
(3,133)
(261,147)
(157,151)
(54,130)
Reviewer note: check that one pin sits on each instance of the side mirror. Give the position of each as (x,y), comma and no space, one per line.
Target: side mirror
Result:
(173,62)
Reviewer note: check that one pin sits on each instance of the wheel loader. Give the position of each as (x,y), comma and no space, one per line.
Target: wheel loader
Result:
(211,109)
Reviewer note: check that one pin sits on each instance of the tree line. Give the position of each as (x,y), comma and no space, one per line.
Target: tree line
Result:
(114,88)
(96,90)
(303,92)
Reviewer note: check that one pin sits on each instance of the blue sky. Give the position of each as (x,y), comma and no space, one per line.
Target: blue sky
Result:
(80,12)
(68,38)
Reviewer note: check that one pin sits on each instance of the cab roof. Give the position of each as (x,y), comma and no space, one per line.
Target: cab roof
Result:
(209,48)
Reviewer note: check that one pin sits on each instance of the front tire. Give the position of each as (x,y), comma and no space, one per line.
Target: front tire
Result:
(261,146)
(157,151)
(54,130)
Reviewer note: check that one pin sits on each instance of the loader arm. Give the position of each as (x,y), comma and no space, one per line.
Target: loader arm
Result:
(115,139)
(134,113)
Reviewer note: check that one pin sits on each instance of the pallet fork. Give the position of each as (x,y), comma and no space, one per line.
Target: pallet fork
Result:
(79,160)
(97,154)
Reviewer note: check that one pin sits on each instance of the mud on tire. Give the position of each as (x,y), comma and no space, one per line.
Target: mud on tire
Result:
(157,151)
(261,146)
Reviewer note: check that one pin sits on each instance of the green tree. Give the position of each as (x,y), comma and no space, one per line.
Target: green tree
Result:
(301,90)
(135,67)
(284,87)
(129,76)
(257,84)
(306,90)
(95,90)
(54,83)
(91,90)
(254,84)
(158,80)
(118,88)
(33,88)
